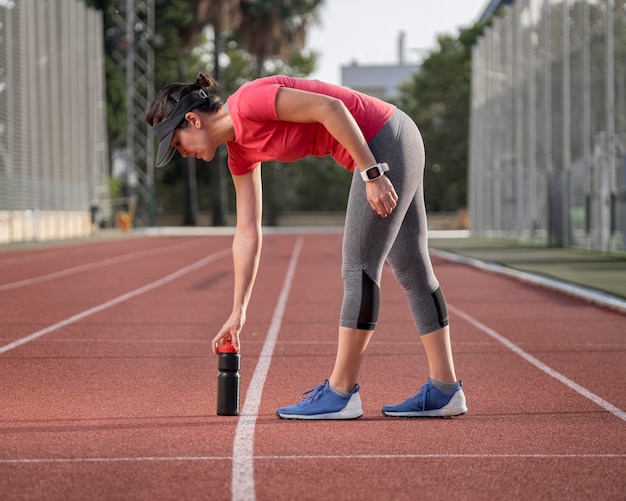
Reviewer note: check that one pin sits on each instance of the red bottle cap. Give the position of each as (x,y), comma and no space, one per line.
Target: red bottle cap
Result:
(228,347)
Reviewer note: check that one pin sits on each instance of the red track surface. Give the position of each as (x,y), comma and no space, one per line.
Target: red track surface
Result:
(113,394)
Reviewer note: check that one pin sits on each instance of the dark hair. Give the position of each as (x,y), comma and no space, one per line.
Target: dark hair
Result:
(165,100)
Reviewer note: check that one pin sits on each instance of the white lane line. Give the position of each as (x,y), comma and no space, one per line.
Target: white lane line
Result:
(91,266)
(67,248)
(242,478)
(312,457)
(540,365)
(452,456)
(115,301)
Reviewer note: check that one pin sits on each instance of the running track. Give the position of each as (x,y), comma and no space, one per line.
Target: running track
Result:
(108,383)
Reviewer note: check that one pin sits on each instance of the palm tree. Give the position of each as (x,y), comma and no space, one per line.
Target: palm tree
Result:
(222,15)
(268,28)
(275,28)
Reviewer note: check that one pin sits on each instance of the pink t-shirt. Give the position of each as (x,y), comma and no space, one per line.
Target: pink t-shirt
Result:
(260,136)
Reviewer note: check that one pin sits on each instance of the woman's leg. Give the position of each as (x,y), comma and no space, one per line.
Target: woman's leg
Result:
(442,395)
(350,350)
(410,261)
(368,239)
(439,354)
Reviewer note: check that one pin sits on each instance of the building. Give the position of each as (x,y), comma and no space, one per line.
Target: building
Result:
(380,80)
(384,80)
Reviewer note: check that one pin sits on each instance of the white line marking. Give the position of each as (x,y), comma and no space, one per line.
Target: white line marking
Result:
(72,249)
(312,457)
(89,266)
(242,479)
(540,365)
(39,256)
(428,456)
(115,301)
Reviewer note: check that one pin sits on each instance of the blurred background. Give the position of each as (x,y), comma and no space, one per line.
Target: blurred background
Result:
(522,107)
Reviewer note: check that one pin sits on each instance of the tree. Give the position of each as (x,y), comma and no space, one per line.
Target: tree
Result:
(185,47)
(222,15)
(438,99)
(272,28)
(275,28)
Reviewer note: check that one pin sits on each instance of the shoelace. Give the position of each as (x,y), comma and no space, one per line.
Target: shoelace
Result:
(314,393)
(423,394)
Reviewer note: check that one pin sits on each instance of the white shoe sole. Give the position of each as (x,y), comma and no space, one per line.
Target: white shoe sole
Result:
(457,406)
(352,410)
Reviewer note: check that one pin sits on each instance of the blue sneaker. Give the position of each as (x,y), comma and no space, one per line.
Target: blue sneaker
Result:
(322,403)
(430,402)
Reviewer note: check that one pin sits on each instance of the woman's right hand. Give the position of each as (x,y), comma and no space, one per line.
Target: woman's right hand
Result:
(246,253)
(229,332)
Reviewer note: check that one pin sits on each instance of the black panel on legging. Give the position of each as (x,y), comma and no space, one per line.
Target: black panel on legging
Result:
(370,304)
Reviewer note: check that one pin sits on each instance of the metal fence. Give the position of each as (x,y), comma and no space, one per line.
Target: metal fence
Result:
(548,125)
(53,144)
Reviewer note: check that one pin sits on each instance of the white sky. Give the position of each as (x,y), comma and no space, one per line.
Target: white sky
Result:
(367,31)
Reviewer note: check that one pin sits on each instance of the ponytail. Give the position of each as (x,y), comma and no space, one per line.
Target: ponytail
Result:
(165,100)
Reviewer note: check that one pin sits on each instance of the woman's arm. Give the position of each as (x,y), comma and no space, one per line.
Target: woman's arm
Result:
(246,253)
(293,105)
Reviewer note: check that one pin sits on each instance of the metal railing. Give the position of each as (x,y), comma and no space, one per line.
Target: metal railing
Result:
(548,125)
(53,144)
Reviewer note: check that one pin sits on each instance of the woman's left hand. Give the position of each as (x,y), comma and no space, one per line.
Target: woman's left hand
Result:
(381,195)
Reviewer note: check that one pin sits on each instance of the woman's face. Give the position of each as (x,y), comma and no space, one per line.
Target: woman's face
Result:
(194,141)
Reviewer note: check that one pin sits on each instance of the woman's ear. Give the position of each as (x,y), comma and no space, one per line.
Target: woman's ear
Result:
(193,119)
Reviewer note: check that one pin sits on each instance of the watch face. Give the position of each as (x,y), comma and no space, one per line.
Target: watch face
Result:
(372,173)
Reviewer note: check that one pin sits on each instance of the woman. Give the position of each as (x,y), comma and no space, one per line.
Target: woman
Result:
(285,119)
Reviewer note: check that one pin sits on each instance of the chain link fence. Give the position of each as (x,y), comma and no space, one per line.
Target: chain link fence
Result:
(548,125)
(53,144)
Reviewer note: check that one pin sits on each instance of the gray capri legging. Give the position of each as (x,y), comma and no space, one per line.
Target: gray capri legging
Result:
(401,238)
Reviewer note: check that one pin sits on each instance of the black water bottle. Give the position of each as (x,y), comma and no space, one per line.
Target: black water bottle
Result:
(228,380)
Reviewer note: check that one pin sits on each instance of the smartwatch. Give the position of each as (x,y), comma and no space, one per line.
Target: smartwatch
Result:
(374,172)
